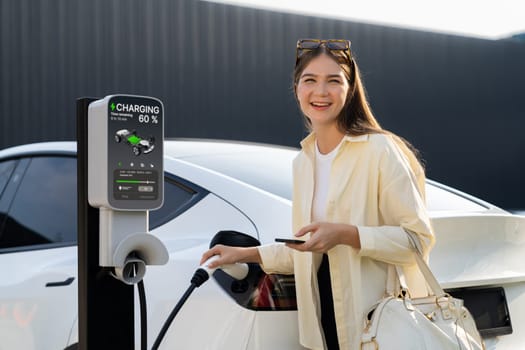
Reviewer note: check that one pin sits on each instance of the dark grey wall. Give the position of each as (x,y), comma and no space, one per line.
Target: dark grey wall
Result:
(224,72)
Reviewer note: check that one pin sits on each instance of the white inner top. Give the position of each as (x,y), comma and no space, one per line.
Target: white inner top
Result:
(323,165)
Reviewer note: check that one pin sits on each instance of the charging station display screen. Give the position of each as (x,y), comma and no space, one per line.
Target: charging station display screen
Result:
(135,164)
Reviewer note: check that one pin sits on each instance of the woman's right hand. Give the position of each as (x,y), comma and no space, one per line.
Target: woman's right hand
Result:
(230,255)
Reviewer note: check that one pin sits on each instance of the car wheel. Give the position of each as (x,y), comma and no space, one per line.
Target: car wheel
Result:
(136,150)
(118,138)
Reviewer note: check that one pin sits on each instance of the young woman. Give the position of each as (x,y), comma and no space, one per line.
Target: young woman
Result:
(357,190)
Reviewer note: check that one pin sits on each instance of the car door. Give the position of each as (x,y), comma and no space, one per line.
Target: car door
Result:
(38,289)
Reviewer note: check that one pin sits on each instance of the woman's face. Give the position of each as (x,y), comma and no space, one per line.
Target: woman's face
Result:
(322,90)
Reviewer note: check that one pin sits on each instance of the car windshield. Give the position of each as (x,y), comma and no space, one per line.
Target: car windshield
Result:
(268,169)
(441,199)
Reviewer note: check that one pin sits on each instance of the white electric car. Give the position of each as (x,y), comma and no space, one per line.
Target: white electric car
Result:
(213,186)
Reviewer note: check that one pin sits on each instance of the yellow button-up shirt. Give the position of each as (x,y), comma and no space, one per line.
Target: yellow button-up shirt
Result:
(373,185)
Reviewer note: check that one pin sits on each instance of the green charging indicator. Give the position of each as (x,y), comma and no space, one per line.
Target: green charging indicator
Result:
(130,181)
(134,139)
(135,182)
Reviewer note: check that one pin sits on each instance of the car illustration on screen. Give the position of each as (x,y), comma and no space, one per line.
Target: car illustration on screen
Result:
(138,144)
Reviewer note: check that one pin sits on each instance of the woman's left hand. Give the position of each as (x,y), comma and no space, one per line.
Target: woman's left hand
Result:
(324,236)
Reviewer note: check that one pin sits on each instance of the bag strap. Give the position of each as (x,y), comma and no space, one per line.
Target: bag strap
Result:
(431,280)
(390,280)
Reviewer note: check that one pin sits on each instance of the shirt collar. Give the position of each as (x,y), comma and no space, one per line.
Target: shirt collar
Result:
(309,141)
(359,138)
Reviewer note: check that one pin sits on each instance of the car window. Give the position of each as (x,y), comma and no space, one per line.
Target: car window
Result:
(6,168)
(179,195)
(44,209)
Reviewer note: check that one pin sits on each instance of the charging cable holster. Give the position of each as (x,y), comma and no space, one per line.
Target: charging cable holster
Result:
(126,245)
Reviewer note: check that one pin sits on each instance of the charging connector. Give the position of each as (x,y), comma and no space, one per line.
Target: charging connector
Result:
(239,271)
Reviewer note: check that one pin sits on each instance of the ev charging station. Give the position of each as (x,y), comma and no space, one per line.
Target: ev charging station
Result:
(120,172)
(120,177)
(125,180)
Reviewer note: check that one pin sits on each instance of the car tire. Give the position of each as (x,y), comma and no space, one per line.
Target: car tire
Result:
(118,138)
(136,150)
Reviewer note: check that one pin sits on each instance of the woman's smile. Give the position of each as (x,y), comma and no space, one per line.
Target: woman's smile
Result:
(320,106)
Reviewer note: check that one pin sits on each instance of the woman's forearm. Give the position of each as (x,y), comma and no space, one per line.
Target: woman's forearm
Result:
(250,255)
(349,235)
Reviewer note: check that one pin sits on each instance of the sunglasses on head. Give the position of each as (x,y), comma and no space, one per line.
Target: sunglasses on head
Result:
(332,45)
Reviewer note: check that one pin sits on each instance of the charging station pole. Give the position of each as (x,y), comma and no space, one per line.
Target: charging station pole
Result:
(105,305)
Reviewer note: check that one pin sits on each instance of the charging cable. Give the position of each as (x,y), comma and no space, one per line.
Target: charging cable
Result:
(143,316)
(238,271)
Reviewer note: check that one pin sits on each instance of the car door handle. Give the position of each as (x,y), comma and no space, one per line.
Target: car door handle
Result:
(66,282)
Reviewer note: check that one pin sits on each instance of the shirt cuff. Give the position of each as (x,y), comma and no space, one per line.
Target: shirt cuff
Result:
(367,241)
(386,243)
(276,258)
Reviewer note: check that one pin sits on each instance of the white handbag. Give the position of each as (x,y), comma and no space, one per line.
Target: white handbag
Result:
(436,322)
